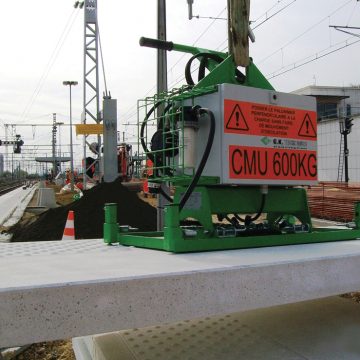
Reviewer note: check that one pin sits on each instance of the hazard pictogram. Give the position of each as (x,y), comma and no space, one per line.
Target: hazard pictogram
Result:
(237,120)
(307,128)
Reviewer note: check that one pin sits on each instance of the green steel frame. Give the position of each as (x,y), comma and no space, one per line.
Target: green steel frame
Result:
(174,239)
(209,200)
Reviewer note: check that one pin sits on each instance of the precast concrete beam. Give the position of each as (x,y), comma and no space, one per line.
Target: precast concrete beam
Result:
(58,290)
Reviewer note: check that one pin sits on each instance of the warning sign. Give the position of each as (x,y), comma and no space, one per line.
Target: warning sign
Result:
(260,163)
(268,120)
(236,120)
(307,128)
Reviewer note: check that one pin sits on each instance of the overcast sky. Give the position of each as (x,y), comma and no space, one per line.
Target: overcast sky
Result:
(42,45)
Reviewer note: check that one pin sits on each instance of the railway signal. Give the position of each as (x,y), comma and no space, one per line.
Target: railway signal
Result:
(17,144)
(348,124)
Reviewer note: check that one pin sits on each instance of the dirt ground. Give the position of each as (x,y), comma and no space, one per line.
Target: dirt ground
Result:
(53,350)
(89,215)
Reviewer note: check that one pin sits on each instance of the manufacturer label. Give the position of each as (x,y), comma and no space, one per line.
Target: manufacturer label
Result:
(269,120)
(247,162)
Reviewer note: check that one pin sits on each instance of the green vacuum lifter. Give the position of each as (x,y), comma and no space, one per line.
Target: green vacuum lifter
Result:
(235,154)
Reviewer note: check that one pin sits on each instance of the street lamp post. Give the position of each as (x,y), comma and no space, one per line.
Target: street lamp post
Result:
(70,84)
(59,152)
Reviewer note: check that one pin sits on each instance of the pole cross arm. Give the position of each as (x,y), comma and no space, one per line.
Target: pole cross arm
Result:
(14,142)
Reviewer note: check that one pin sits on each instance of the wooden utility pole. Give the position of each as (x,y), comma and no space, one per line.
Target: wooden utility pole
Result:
(238,30)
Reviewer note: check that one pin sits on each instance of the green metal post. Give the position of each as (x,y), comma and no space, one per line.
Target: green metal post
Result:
(357,215)
(172,230)
(110,226)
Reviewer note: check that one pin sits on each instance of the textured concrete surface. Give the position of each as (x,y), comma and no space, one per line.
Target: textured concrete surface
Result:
(56,290)
(326,329)
(46,198)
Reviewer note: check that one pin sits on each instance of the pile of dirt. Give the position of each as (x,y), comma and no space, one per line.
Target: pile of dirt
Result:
(89,215)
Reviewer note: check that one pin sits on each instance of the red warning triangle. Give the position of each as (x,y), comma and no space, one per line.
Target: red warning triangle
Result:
(237,120)
(307,128)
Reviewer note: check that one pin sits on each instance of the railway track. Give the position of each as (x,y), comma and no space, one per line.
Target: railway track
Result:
(7,187)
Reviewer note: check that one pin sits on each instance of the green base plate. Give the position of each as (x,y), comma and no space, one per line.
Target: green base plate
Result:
(156,240)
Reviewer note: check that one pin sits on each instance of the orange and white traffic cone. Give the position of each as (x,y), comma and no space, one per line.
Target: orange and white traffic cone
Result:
(69,231)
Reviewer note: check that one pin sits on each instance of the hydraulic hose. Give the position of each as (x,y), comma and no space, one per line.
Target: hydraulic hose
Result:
(240,77)
(204,158)
(143,144)
(142,129)
(239,218)
(205,56)
(233,221)
(263,198)
(143,125)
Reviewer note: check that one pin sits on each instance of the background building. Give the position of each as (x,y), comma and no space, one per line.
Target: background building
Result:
(334,105)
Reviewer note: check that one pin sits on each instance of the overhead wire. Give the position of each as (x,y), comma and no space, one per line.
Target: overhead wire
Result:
(271,16)
(314,57)
(179,79)
(67,28)
(352,13)
(179,59)
(305,32)
(132,107)
(102,62)
(199,37)
(319,54)
(267,11)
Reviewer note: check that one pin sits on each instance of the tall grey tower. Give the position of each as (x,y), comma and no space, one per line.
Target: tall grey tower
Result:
(91,101)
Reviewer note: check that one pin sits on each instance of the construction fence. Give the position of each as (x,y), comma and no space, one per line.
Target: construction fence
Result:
(333,200)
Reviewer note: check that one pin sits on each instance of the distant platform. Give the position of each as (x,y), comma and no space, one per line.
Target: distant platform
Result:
(51,159)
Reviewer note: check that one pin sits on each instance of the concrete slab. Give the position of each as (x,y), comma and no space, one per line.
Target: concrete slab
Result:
(86,287)
(36,209)
(326,329)
(46,198)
